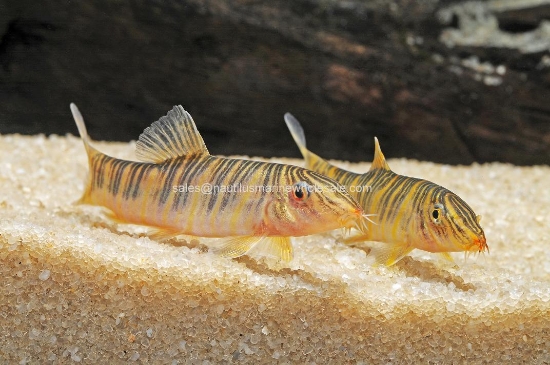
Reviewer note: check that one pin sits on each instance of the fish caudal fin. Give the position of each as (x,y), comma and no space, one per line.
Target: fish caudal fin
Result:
(313,161)
(297,132)
(90,151)
(81,127)
(279,247)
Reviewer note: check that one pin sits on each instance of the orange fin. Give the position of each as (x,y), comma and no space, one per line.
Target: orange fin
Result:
(447,256)
(90,152)
(384,253)
(162,234)
(112,216)
(174,135)
(279,247)
(235,246)
(379,161)
(79,120)
(232,247)
(389,254)
(355,239)
(313,161)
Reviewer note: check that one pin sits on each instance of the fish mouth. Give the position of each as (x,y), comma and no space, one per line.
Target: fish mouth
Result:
(480,244)
(358,220)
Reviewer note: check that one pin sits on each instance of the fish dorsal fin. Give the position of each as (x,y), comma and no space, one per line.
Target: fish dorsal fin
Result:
(174,135)
(379,161)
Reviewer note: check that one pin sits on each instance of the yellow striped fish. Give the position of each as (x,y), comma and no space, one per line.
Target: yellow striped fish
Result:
(179,188)
(410,213)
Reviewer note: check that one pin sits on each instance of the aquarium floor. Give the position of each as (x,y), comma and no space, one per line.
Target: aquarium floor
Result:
(77,287)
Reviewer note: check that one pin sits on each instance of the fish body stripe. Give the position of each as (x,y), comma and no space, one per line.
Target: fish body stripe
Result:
(388,196)
(402,207)
(144,193)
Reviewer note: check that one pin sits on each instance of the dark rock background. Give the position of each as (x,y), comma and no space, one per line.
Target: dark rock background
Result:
(348,70)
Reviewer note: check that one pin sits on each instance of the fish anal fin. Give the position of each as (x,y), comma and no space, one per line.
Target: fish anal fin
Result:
(111,215)
(379,161)
(174,135)
(389,254)
(84,199)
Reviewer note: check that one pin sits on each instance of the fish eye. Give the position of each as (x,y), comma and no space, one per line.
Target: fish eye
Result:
(301,191)
(437,212)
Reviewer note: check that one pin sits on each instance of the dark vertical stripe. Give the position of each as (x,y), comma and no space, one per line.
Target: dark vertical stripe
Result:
(121,169)
(101,168)
(193,167)
(144,171)
(134,169)
(170,171)
(219,171)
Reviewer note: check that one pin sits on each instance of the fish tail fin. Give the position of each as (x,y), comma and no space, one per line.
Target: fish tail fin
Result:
(90,151)
(299,136)
(313,161)
(297,133)
(79,120)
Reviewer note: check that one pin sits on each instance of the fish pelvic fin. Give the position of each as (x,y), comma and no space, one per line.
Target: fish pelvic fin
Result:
(232,247)
(172,136)
(279,247)
(447,256)
(379,161)
(389,254)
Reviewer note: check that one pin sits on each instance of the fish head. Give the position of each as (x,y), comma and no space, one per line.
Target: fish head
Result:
(452,226)
(313,204)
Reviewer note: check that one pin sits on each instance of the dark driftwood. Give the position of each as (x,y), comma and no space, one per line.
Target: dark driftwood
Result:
(349,70)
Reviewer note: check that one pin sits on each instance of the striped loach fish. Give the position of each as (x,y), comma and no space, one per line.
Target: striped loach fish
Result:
(410,213)
(179,188)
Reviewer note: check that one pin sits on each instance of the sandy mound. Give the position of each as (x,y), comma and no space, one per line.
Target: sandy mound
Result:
(77,287)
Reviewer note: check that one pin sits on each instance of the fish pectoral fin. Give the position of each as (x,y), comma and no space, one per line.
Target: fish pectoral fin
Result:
(279,247)
(389,254)
(172,136)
